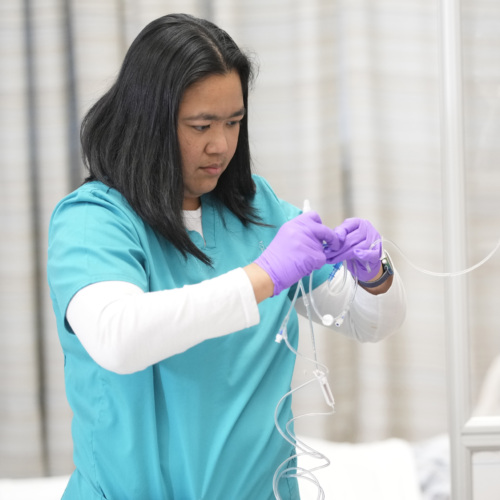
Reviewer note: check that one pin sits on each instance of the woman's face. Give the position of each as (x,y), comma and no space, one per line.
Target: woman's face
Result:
(210,113)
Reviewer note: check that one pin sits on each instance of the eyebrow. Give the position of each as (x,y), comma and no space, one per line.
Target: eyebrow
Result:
(211,117)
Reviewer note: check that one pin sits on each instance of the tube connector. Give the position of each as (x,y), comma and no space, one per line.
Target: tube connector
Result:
(280,335)
(325,387)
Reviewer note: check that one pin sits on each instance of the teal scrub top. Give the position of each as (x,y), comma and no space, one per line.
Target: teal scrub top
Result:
(197,425)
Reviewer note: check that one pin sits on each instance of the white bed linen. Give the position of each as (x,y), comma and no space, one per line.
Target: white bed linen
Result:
(42,488)
(383,470)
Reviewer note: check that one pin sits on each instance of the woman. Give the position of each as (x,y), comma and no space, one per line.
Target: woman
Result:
(171,270)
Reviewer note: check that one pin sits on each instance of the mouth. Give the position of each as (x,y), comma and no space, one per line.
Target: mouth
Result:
(212,169)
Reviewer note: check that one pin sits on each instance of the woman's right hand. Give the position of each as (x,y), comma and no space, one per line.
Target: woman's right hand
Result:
(297,250)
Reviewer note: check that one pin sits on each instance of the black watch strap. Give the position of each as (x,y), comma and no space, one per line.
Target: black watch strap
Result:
(388,272)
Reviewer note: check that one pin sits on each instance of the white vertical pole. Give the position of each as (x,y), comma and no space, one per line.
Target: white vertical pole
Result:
(454,245)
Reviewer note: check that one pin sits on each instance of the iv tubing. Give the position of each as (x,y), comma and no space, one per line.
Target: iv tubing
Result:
(440,274)
(296,471)
(302,449)
(346,309)
(309,317)
(284,336)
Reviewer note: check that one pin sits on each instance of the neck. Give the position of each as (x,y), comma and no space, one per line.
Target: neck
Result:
(191,204)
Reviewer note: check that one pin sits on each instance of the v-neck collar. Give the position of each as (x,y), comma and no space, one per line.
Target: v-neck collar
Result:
(208,220)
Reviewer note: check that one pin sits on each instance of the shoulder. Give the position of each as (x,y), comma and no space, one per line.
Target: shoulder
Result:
(94,212)
(262,187)
(92,192)
(266,200)
(94,197)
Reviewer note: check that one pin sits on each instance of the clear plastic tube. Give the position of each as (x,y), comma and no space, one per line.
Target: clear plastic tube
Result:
(320,376)
(328,319)
(283,471)
(309,317)
(282,334)
(439,274)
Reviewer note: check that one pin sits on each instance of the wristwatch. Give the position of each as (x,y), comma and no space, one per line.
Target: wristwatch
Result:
(388,271)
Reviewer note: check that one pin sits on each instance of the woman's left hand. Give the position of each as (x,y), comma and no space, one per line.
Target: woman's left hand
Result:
(360,247)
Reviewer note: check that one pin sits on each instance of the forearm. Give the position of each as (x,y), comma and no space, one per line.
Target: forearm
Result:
(125,330)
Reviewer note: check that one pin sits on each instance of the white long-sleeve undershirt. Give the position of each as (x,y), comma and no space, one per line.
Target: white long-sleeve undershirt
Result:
(126,330)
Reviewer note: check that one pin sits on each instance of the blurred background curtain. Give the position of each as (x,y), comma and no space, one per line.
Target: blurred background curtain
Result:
(345,112)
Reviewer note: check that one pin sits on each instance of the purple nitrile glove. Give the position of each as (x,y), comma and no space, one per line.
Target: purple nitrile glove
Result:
(297,250)
(360,247)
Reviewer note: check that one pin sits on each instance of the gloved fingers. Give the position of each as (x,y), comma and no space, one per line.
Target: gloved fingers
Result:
(360,233)
(358,237)
(307,217)
(332,241)
(351,224)
(333,256)
(365,264)
(296,250)
(357,267)
(349,235)
(303,223)
(370,255)
(314,261)
(323,234)
(365,271)
(360,242)
(338,239)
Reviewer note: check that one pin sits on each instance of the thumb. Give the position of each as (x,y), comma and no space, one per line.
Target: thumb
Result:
(369,256)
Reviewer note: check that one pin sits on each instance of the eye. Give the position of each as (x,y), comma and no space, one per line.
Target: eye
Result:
(233,123)
(201,128)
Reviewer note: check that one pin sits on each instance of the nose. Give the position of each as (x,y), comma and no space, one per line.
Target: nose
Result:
(217,141)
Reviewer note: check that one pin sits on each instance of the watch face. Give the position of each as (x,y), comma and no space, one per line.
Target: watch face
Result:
(387,264)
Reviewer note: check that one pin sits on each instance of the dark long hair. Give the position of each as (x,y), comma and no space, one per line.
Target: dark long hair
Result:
(129,137)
